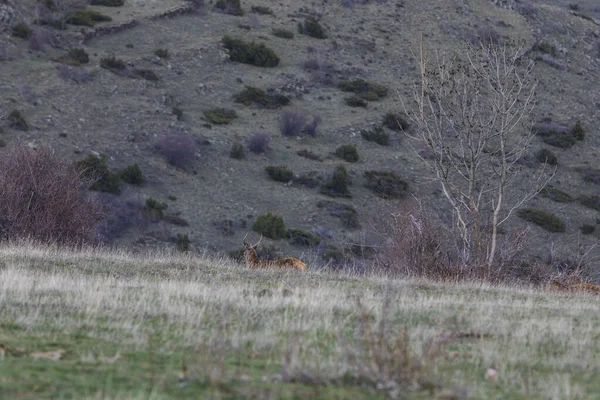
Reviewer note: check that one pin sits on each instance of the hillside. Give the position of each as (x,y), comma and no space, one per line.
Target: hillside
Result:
(97,324)
(151,111)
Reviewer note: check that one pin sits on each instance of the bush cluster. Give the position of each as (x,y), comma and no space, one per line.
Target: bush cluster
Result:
(544,219)
(132,174)
(154,209)
(279,173)
(347,152)
(16,120)
(252,95)
(377,135)
(338,184)
(270,225)
(220,116)
(311,27)
(395,122)
(386,184)
(250,52)
(364,90)
(96,169)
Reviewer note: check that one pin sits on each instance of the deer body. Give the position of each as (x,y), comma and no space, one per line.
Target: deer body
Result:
(254,261)
(577,286)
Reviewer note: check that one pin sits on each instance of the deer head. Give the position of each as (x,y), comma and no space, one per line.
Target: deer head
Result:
(251,247)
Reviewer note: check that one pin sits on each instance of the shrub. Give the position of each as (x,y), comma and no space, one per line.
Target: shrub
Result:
(42,197)
(555,194)
(77,75)
(578,131)
(258,143)
(308,154)
(220,116)
(377,135)
(338,184)
(75,57)
(107,3)
(587,229)
(311,128)
(292,123)
(154,209)
(546,156)
(279,173)
(363,89)
(299,237)
(86,18)
(261,10)
(179,149)
(355,101)
(132,174)
(237,151)
(312,28)
(558,135)
(547,48)
(252,95)
(146,74)
(21,31)
(182,241)
(250,52)
(231,7)
(269,225)
(282,33)
(386,184)
(347,152)
(113,64)
(592,201)
(347,214)
(590,175)
(178,112)
(544,219)
(17,121)
(395,122)
(162,53)
(96,169)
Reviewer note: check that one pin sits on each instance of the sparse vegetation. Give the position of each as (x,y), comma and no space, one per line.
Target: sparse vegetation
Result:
(231,7)
(347,214)
(546,156)
(22,31)
(107,3)
(299,237)
(132,174)
(347,152)
(544,219)
(355,101)
(590,201)
(261,10)
(386,184)
(258,143)
(279,173)
(237,151)
(250,52)
(162,53)
(282,33)
(96,169)
(395,122)
(377,135)
(270,225)
(154,209)
(179,149)
(113,64)
(556,195)
(308,154)
(86,18)
(590,175)
(364,90)
(16,120)
(178,112)
(338,184)
(182,241)
(146,74)
(587,229)
(311,27)
(578,131)
(75,57)
(252,95)
(220,116)
(546,47)
(292,123)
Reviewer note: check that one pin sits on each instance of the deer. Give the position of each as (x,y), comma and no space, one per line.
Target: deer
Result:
(576,285)
(253,260)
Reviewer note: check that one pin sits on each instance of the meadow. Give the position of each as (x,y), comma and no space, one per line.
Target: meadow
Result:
(107,324)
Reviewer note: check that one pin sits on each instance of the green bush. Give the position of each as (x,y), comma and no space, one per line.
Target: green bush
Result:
(312,28)
(21,31)
(377,135)
(154,209)
(395,122)
(338,184)
(555,194)
(250,52)
(282,33)
(162,53)
(269,225)
(220,116)
(231,7)
(113,64)
(363,89)
(592,201)
(308,154)
(132,174)
(252,95)
(17,121)
(279,173)
(347,152)
(386,184)
(544,219)
(587,229)
(108,3)
(96,169)
(546,156)
(237,151)
(355,101)
(262,10)
(299,237)
(578,131)
(86,18)
(146,74)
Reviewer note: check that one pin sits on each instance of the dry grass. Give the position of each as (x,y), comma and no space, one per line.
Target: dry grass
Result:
(171,326)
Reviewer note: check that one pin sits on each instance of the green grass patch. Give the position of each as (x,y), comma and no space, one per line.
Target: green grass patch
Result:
(250,52)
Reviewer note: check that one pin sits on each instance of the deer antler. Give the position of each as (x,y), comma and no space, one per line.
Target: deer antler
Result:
(257,243)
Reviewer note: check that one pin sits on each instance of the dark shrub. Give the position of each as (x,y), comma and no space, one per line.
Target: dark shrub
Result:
(386,184)
(363,89)
(312,28)
(355,101)
(86,18)
(299,237)
(182,241)
(337,185)
(178,112)
(395,122)
(258,143)
(146,74)
(96,169)
(578,131)
(546,47)
(132,174)
(292,123)
(587,229)
(347,152)
(113,64)
(377,135)
(261,10)
(42,197)
(78,56)
(347,214)
(252,95)
(592,201)
(21,31)
(311,128)
(107,3)
(544,219)
(220,116)
(237,151)
(162,53)
(250,52)
(154,209)
(546,156)
(77,75)
(279,173)
(282,33)
(269,225)
(308,154)
(179,149)
(231,7)
(558,135)
(555,194)
(590,175)
(17,121)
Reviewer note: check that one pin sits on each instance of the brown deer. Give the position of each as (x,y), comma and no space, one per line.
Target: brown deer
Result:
(253,261)
(576,285)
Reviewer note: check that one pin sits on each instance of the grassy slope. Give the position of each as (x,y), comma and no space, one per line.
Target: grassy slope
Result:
(166,326)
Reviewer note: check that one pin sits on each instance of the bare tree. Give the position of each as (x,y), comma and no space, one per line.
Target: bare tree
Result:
(472,114)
